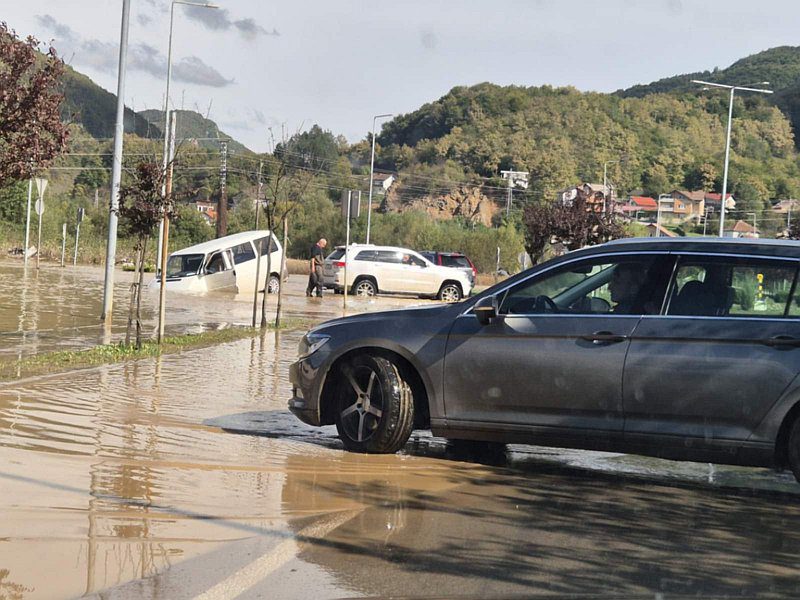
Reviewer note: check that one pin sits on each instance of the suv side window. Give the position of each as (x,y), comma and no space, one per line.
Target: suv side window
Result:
(734,287)
(365,255)
(624,285)
(388,256)
(265,244)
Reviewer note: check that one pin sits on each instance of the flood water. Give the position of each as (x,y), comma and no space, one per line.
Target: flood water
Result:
(185,476)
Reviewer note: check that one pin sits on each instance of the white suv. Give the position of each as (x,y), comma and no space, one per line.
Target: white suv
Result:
(387,269)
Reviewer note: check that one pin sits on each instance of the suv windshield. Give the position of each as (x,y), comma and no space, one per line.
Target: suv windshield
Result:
(184,265)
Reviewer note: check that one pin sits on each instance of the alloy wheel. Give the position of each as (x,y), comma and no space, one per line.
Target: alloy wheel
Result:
(360,419)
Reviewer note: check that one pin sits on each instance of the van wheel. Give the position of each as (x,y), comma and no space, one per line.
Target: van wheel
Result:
(374,405)
(793,450)
(450,292)
(274,284)
(365,287)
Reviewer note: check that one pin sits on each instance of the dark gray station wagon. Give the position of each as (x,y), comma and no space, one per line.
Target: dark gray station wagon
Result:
(676,348)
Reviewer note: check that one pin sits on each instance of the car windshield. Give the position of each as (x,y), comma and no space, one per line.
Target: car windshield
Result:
(184,265)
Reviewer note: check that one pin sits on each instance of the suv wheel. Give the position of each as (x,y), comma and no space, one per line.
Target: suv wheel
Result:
(450,292)
(365,287)
(374,405)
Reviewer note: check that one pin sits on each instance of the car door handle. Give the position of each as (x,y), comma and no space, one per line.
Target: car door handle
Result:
(604,337)
(782,341)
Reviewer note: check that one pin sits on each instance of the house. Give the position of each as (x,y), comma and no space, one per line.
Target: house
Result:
(742,229)
(639,208)
(786,207)
(713,201)
(595,195)
(683,205)
(381,182)
(655,230)
(208,209)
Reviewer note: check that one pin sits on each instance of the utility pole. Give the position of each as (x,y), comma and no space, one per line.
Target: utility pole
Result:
(162,290)
(259,249)
(222,206)
(372,172)
(27,223)
(116,170)
(513,177)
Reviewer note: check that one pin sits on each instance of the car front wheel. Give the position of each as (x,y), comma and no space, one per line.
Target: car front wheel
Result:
(374,405)
(450,292)
(274,284)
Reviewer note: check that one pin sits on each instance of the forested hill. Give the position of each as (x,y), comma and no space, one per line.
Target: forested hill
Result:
(780,66)
(95,109)
(562,136)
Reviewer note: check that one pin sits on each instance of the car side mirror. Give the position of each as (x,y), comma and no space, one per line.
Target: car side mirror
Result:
(486,310)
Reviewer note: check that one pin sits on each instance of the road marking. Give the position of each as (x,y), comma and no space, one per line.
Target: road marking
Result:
(254,572)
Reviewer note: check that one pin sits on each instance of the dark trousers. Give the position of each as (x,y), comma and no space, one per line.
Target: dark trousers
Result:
(315,282)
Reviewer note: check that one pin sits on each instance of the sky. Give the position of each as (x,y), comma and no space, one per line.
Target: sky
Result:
(252,65)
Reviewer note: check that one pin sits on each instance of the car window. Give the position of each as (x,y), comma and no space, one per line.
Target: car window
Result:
(216,264)
(430,256)
(733,288)
(243,253)
(337,254)
(413,261)
(628,285)
(264,244)
(365,255)
(456,261)
(389,256)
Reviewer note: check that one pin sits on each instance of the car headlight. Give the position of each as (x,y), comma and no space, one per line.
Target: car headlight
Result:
(310,343)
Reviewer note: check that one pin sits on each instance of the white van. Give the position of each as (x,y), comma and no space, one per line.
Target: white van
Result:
(227,263)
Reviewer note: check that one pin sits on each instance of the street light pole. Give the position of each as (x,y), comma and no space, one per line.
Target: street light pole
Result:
(166,111)
(732,88)
(372,172)
(116,169)
(605,183)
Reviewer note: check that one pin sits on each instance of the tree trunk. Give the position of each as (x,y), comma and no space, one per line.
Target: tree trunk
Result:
(134,283)
(140,277)
(269,272)
(280,271)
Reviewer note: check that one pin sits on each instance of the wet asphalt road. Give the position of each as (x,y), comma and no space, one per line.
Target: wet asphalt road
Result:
(185,476)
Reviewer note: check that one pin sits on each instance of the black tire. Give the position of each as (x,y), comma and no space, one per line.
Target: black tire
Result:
(273,284)
(374,405)
(364,287)
(450,292)
(793,449)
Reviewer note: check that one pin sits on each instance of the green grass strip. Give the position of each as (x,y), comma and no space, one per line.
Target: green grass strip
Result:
(53,362)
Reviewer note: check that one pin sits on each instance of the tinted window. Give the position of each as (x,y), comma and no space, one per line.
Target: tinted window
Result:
(336,254)
(431,256)
(733,288)
(264,242)
(388,256)
(365,255)
(628,285)
(243,253)
(455,261)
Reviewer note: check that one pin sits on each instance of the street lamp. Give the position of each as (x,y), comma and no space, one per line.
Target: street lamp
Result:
(166,110)
(605,181)
(732,88)
(372,171)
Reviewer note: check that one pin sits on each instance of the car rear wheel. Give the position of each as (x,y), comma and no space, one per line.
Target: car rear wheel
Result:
(450,292)
(365,287)
(374,405)
(274,284)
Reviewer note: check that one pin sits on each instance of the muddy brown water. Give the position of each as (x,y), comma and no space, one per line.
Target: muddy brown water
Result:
(185,476)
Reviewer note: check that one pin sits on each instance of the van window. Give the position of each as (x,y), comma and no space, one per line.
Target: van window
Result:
(184,265)
(264,242)
(243,253)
